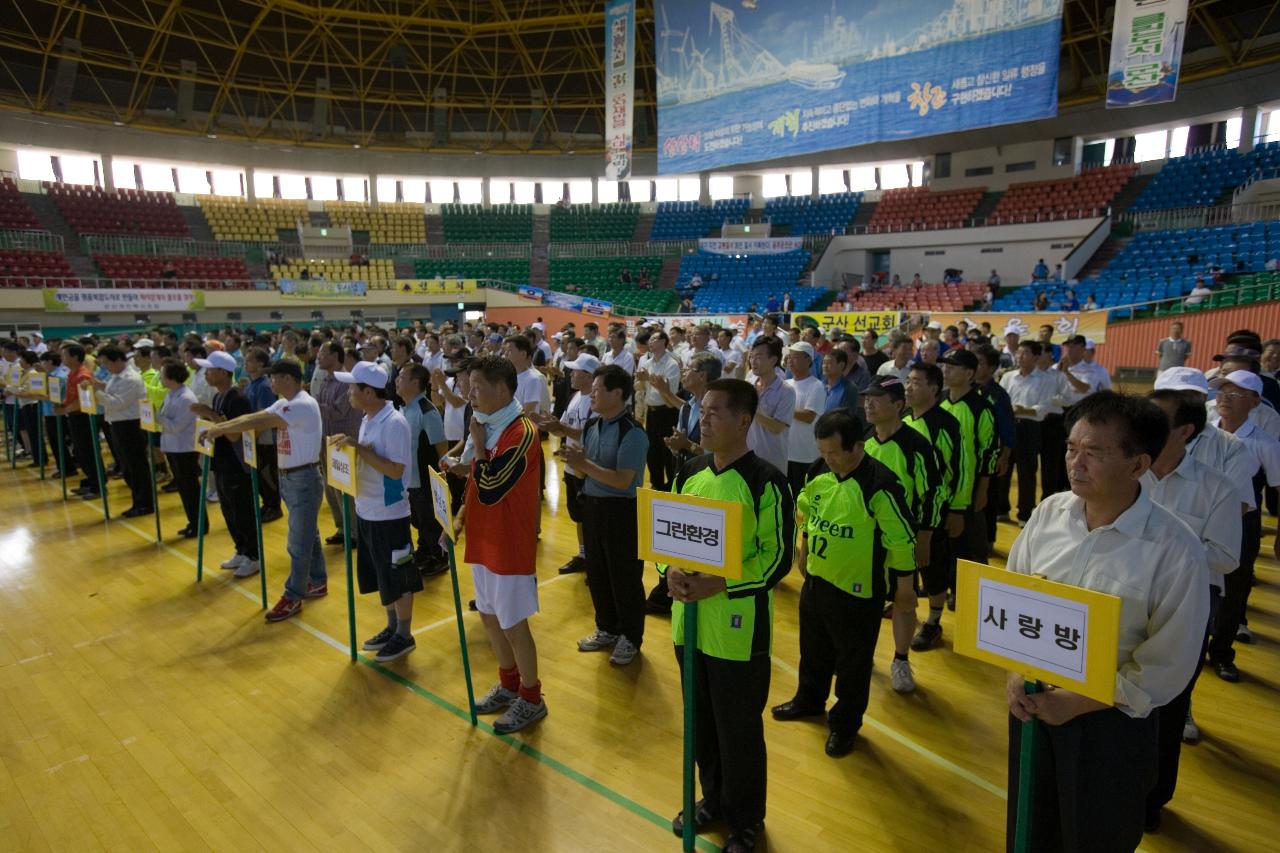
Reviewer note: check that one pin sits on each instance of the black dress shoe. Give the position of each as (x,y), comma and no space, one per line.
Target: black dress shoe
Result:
(91,495)
(1151,822)
(703,816)
(432,566)
(272,514)
(795,710)
(743,840)
(335,539)
(840,744)
(577,564)
(188,533)
(135,511)
(169,488)
(1227,671)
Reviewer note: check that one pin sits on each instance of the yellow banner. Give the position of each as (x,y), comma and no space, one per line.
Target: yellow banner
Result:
(1091,324)
(850,322)
(437,285)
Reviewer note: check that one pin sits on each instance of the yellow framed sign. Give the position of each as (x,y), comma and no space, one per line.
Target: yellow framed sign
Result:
(203,444)
(147,417)
(1051,632)
(691,533)
(441,503)
(37,383)
(249,444)
(57,390)
(88,398)
(340,464)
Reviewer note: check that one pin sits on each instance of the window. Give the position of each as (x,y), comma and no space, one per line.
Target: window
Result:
(293,186)
(522,191)
(324,187)
(916,174)
(666,189)
(386,189)
(552,191)
(1233,132)
(1025,166)
(942,165)
(441,191)
(773,184)
(831,181)
(607,191)
(122,176)
(36,165)
(1108,149)
(157,176)
(355,188)
(264,185)
(862,178)
(1150,146)
(225,182)
(641,190)
(471,190)
(690,188)
(802,183)
(580,192)
(499,191)
(720,186)
(1062,150)
(1178,141)
(192,179)
(893,176)
(77,169)
(415,190)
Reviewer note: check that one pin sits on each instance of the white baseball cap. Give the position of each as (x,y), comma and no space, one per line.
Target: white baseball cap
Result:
(140,342)
(1182,379)
(934,324)
(585,361)
(803,347)
(537,326)
(1241,379)
(1089,343)
(364,373)
(219,359)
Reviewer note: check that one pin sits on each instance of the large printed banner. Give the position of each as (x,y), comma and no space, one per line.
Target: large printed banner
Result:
(850,322)
(437,285)
(92,301)
(688,321)
(619,86)
(1146,52)
(321,288)
(1091,324)
(741,82)
(748,246)
(566,301)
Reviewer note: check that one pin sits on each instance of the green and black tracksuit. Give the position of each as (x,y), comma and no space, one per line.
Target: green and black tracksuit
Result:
(911,459)
(735,634)
(860,538)
(940,429)
(979,452)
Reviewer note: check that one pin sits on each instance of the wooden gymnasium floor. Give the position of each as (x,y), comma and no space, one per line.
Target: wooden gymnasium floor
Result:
(140,710)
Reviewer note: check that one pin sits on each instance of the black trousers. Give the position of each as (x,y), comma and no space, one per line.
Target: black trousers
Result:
(268,476)
(51,435)
(131,443)
(971,544)
(615,575)
(659,423)
(186,473)
(1026,455)
(795,476)
(1092,775)
(936,575)
(423,516)
(28,422)
(83,445)
(1236,591)
(838,634)
(730,696)
(997,491)
(457,490)
(1053,452)
(235,498)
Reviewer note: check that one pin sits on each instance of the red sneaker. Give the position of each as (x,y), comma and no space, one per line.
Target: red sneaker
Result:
(283,610)
(316,590)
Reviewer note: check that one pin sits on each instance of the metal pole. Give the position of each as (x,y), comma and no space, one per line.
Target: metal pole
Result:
(155,500)
(40,448)
(1026,779)
(351,588)
(62,454)
(257,524)
(462,633)
(200,518)
(11,433)
(690,725)
(97,461)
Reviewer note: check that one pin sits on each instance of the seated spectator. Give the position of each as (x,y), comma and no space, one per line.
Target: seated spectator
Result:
(1198,293)
(897,280)
(686,306)
(644,282)
(952,276)
(1058,274)
(916,281)
(1069,301)
(994,281)
(305,275)
(169,271)
(1041,271)
(695,282)
(624,277)
(1042,301)
(1091,304)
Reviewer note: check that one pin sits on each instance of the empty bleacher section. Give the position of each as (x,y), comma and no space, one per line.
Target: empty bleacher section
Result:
(15,213)
(233,219)
(796,215)
(148,271)
(1199,179)
(931,297)
(27,268)
(501,223)
(688,220)
(582,222)
(90,210)
(515,270)
(1087,195)
(390,223)
(922,209)
(734,284)
(1164,264)
(602,278)
(377,269)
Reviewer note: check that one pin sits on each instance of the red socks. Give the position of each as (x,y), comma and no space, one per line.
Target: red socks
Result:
(532,695)
(509,678)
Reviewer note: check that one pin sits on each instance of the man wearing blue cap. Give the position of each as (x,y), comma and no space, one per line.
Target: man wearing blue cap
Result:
(231,478)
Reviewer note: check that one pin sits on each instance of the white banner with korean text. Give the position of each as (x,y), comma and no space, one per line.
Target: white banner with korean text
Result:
(620,86)
(1146,52)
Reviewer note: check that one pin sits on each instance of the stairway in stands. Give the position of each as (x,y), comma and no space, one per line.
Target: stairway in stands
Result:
(435,230)
(47,214)
(196,223)
(986,206)
(670,272)
(1108,250)
(863,217)
(644,227)
(1129,193)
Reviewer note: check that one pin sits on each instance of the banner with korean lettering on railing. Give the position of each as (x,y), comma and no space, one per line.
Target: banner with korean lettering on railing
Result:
(321,288)
(751,246)
(619,85)
(1146,52)
(105,300)
(743,82)
(436,286)
(1091,324)
(849,322)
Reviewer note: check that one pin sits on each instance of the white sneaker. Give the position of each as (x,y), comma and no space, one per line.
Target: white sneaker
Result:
(1244,635)
(519,714)
(247,569)
(211,497)
(1190,731)
(495,700)
(900,676)
(234,563)
(624,652)
(598,641)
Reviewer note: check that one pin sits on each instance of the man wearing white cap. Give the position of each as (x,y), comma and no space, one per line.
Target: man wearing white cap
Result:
(1213,447)
(231,479)
(569,427)
(40,347)
(1090,358)
(811,401)
(1239,392)
(384,552)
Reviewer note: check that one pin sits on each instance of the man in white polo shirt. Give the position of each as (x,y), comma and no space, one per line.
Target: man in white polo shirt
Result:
(811,401)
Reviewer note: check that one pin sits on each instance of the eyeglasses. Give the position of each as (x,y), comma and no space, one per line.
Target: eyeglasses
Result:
(1235,395)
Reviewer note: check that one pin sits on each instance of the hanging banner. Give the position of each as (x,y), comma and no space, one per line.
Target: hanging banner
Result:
(759,80)
(1091,324)
(437,285)
(1146,52)
(757,246)
(533,294)
(564,301)
(596,307)
(321,288)
(849,322)
(95,301)
(620,86)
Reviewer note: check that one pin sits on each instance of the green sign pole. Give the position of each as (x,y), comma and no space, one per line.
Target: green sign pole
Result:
(40,448)
(11,429)
(462,633)
(62,454)
(257,526)
(97,460)
(1026,779)
(155,501)
(690,724)
(351,587)
(200,518)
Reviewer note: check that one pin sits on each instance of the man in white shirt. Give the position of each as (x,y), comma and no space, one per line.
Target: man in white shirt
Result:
(119,397)
(1173,350)
(775,409)
(1094,764)
(433,355)
(569,427)
(735,354)
(899,363)
(1031,391)
(1083,378)
(618,353)
(532,390)
(811,401)
(700,341)
(660,417)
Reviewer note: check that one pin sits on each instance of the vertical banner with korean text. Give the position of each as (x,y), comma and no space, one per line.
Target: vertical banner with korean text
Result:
(1146,51)
(620,86)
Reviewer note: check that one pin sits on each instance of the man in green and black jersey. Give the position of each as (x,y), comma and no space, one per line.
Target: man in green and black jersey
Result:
(979,451)
(911,458)
(735,617)
(924,393)
(856,544)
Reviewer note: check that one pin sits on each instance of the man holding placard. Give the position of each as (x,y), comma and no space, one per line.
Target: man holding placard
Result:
(120,396)
(735,620)
(1094,764)
(231,478)
(82,440)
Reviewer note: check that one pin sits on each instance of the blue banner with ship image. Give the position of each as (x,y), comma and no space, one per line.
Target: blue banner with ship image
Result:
(746,80)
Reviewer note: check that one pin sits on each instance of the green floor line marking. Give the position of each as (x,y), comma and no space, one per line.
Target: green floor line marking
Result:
(414,687)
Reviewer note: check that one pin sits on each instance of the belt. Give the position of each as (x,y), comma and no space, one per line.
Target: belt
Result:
(300,468)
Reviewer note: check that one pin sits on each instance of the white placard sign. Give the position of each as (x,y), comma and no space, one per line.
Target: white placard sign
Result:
(249,444)
(341,463)
(1045,630)
(690,532)
(37,384)
(441,504)
(147,416)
